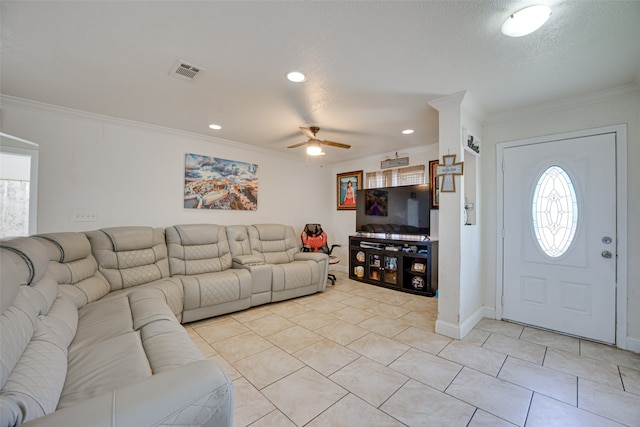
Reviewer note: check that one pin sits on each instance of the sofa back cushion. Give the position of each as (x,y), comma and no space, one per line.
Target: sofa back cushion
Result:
(275,243)
(197,249)
(36,328)
(238,238)
(130,256)
(74,267)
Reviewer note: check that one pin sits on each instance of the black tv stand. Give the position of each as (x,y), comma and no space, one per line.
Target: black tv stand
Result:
(406,263)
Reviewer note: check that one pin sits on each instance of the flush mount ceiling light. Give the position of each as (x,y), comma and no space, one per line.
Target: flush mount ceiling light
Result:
(407,131)
(314,148)
(215,127)
(526,21)
(296,77)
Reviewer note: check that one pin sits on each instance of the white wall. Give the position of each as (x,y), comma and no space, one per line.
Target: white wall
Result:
(344,222)
(133,174)
(621,105)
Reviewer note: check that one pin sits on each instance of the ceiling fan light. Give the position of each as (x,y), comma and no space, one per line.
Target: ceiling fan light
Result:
(314,149)
(296,77)
(526,21)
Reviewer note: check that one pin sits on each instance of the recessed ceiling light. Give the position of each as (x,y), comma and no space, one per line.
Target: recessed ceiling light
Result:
(407,131)
(296,77)
(215,127)
(526,21)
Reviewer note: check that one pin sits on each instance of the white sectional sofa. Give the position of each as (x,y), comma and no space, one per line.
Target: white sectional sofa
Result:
(90,322)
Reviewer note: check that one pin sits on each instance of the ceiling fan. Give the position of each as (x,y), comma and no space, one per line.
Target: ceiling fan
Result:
(314,145)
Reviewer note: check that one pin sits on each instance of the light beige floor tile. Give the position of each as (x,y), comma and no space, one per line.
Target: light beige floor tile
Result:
(484,419)
(426,368)
(630,380)
(228,367)
(524,350)
(482,359)
(274,419)
(424,340)
(204,346)
(416,404)
(610,354)
(252,313)
(333,294)
(267,367)
(221,330)
(241,346)
(476,337)
(288,309)
(552,383)
(327,306)
(351,411)
(341,332)
(352,315)
(547,412)
(313,320)
(584,367)
(500,327)
(498,397)
(326,356)
(426,321)
(388,310)
(303,395)
(421,304)
(384,326)
(249,404)
(294,338)
(609,402)
(359,302)
(269,324)
(551,339)
(376,347)
(369,380)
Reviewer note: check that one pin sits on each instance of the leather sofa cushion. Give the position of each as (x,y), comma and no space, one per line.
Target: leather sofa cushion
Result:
(66,246)
(238,238)
(275,243)
(102,320)
(197,249)
(204,290)
(103,366)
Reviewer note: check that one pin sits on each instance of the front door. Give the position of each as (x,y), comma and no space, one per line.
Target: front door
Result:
(559,235)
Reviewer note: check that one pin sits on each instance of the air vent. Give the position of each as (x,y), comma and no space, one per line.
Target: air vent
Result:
(185,71)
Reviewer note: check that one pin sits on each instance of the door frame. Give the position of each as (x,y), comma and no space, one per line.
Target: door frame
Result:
(621,216)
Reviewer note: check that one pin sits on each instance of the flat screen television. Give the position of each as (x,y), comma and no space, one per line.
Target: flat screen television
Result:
(394,210)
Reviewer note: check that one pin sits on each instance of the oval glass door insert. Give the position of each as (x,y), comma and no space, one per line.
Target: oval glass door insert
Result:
(554,211)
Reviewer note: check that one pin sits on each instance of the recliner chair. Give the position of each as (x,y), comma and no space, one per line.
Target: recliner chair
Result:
(314,239)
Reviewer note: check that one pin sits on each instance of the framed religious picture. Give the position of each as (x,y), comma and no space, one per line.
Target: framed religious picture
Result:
(347,185)
(434,186)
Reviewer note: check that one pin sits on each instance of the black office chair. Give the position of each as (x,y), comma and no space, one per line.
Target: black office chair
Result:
(314,239)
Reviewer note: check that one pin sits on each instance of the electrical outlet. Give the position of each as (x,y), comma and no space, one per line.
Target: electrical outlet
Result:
(85,216)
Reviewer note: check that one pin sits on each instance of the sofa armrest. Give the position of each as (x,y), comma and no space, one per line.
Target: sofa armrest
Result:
(197,394)
(240,261)
(313,256)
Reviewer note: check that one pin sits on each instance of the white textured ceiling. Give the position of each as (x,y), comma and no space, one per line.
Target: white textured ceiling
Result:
(372,67)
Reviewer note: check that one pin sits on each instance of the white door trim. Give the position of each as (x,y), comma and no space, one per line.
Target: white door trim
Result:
(621,219)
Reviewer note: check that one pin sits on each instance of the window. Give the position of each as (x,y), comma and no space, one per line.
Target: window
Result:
(409,175)
(554,211)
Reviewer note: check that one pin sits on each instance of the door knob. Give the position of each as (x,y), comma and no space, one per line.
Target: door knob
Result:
(606,240)
(606,254)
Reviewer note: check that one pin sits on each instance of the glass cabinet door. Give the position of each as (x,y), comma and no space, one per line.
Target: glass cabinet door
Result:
(391,269)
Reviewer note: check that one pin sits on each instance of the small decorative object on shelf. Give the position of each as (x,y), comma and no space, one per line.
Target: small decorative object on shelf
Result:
(360,256)
(471,142)
(417,282)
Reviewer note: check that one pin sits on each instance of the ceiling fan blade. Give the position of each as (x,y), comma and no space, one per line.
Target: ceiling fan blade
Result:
(307,132)
(297,145)
(336,144)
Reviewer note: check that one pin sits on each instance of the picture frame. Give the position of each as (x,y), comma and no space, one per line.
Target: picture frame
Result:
(434,187)
(347,184)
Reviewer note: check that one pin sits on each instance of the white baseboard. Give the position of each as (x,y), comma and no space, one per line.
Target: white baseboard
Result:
(458,332)
(633,344)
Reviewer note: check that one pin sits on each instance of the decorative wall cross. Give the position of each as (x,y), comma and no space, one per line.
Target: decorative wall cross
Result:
(447,171)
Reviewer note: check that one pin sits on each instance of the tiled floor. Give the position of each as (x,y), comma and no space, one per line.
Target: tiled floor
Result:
(360,355)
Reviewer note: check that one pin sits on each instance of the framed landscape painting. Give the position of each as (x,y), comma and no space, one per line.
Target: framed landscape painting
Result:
(348,184)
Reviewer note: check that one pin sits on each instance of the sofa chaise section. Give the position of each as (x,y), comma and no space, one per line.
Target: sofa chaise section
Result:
(199,256)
